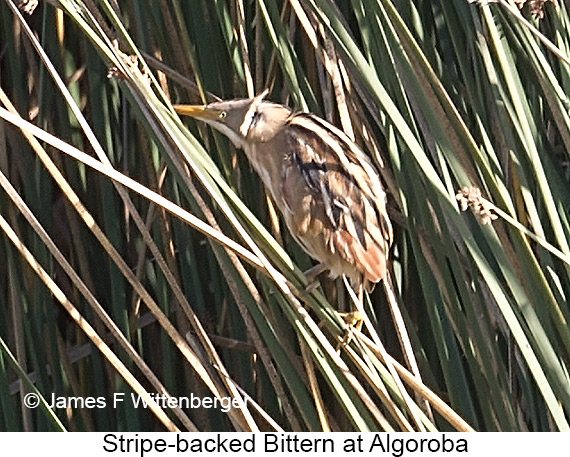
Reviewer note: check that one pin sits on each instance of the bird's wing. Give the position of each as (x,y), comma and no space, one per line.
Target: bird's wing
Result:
(346,192)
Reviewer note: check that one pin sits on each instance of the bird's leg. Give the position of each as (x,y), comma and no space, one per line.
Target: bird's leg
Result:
(312,274)
(354,318)
(359,320)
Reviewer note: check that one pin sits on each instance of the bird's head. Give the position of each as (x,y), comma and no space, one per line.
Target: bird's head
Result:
(243,121)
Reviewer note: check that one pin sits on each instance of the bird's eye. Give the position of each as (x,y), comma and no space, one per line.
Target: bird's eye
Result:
(222,115)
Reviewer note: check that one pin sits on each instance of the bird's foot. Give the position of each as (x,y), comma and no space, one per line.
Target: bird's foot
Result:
(354,321)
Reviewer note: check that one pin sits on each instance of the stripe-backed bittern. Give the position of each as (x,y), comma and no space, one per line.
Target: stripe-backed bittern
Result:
(326,188)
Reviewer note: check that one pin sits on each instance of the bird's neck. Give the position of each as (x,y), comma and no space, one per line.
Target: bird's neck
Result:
(265,145)
(268,166)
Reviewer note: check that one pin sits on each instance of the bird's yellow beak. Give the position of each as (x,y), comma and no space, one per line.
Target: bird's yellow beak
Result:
(201,112)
